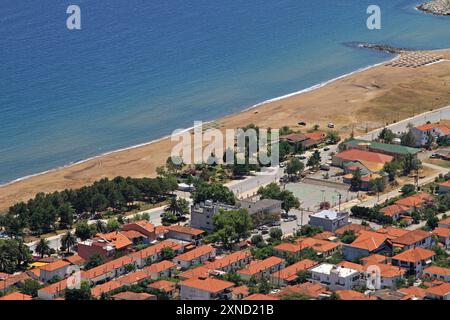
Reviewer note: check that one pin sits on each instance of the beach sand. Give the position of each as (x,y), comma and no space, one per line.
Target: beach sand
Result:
(359,102)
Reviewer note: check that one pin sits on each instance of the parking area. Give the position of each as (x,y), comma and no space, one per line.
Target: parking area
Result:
(312,192)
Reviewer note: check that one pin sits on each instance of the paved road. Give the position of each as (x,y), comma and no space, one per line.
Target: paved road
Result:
(249,186)
(401,126)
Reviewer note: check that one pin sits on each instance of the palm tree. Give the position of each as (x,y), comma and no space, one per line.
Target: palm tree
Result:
(177,207)
(43,248)
(100,226)
(68,241)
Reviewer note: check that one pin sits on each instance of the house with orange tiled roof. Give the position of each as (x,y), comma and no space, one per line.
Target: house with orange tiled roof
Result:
(184,233)
(367,243)
(144,227)
(437,273)
(415,201)
(323,247)
(163,269)
(374,259)
(308,289)
(422,132)
(417,292)
(197,272)
(415,260)
(109,270)
(239,293)
(53,291)
(316,137)
(205,289)
(368,158)
(9,281)
(168,288)
(444,223)
(195,256)
(414,238)
(444,187)
(58,269)
(231,262)
(260,297)
(356,228)
(443,235)
(395,211)
(75,260)
(153,253)
(286,249)
(105,288)
(16,296)
(384,275)
(288,275)
(439,292)
(105,244)
(133,296)
(262,269)
(352,295)
(392,232)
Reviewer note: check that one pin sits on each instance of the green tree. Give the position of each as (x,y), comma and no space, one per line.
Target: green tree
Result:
(232,225)
(386,135)
(348,236)
(391,168)
(43,248)
(303,276)
(168,253)
(84,231)
(258,241)
(314,160)
(275,234)
(68,241)
(14,255)
(356,180)
(112,225)
(273,191)
(294,167)
(408,139)
(333,137)
(94,261)
(30,287)
(215,192)
(407,189)
(83,293)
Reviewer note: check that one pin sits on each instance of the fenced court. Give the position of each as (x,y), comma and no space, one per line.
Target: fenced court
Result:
(311,195)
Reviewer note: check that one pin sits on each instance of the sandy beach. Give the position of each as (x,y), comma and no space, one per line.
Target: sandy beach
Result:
(362,101)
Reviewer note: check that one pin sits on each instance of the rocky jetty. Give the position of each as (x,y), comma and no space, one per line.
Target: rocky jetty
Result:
(377,47)
(436,7)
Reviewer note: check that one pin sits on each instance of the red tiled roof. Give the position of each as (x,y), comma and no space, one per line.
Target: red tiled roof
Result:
(438,271)
(315,136)
(317,244)
(413,291)
(133,296)
(374,259)
(356,154)
(55,265)
(351,295)
(369,240)
(150,251)
(442,232)
(445,221)
(260,296)
(163,285)
(227,260)
(160,266)
(107,267)
(394,209)
(211,285)
(197,252)
(16,296)
(116,238)
(313,290)
(197,272)
(445,184)
(392,232)
(290,272)
(241,290)
(414,255)
(411,237)
(185,230)
(351,265)
(440,290)
(415,200)
(258,266)
(356,228)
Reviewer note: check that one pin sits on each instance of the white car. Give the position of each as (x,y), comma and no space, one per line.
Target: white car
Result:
(331,125)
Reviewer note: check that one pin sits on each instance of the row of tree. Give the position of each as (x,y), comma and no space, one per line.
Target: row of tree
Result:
(60,210)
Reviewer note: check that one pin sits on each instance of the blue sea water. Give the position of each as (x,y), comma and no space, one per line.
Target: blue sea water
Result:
(139,69)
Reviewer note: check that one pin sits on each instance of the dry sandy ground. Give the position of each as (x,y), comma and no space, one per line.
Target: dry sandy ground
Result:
(359,102)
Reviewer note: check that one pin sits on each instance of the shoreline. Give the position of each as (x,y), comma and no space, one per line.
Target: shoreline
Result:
(285,96)
(364,99)
(309,89)
(435,8)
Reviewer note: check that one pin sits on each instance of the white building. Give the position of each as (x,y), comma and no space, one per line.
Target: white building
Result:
(335,277)
(329,220)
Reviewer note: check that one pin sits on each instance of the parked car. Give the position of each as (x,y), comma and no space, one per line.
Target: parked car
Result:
(331,125)
(276,223)
(325,167)
(326,149)
(302,123)
(265,232)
